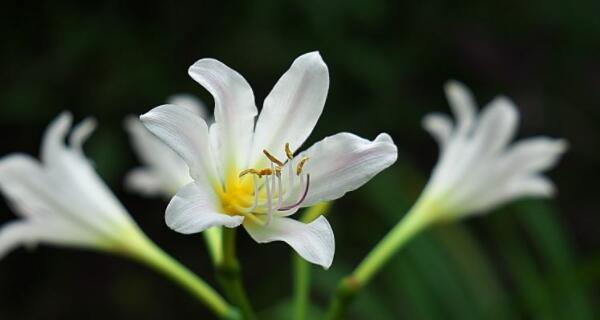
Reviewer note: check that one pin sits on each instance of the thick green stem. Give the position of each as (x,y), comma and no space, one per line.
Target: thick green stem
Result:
(302,267)
(419,217)
(150,254)
(230,276)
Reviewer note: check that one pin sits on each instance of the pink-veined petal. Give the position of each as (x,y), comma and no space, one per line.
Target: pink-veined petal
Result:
(344,162)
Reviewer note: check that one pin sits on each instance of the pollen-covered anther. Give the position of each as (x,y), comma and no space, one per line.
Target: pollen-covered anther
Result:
(288,151)
(259,173)
(300,165)
(273,158)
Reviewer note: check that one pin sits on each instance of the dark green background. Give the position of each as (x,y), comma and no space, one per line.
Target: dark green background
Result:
(388,61)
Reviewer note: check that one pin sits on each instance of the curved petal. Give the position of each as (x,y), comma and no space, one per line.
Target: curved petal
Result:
(532,154)
(344,162)
(313,241)
(14,234)
(144,182)
(462,103)
(290,112)
(496,127)
(234,108)
(194,209)
(81,133)
(529,186)
(169,172)
(186,134)
(440,127)
(189,102)
(53,142)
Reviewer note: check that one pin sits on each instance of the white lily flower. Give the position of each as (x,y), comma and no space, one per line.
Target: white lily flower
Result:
(164,172)
(246,173)
(479,168)
(61,200)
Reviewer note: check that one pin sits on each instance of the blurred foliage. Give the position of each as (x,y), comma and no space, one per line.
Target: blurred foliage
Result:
(388,61)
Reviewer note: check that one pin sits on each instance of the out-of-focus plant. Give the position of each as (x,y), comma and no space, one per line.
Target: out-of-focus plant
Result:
(476,171)
(63,202)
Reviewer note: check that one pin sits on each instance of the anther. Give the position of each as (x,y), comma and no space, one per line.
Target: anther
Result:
(273,158)
(301,165)
(245,172)
(278,171)
(265,172)
(288,151)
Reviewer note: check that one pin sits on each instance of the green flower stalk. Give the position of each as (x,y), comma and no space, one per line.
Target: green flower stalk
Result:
(62,201)
(302,268)
(478,169)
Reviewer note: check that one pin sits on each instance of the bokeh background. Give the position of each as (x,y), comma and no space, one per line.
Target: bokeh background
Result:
(388,61)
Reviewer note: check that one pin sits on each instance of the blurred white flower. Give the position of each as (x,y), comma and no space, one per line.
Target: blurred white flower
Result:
(61,200)
(478,168)
(246,172)
(163,172)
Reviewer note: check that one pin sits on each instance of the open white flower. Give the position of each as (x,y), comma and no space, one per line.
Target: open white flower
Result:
(61,200)
(246,172)
(164,172)
(478,168)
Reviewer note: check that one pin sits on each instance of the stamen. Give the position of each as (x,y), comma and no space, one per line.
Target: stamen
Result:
(272,158)
(288,151)
(301,165)
(301,198)
(279,190)
(291,174)
(269,201)
(273,180)
(256,193)
(265,172)
(246,171)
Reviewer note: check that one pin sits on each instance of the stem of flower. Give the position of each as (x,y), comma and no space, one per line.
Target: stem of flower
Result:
(302,267)
(150,254)
(419,217)
(230,275)
(214,242)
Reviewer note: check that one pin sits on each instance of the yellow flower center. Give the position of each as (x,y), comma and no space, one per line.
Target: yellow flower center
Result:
(257,193)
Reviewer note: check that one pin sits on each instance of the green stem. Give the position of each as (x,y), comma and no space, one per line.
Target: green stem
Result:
(302,267)
(150,254)
(301,287)
(230,276)
(419,217)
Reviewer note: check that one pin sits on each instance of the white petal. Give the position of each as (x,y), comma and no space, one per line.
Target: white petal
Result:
(195,208)
(166,172)
(530,186)
(496,127)
(187,134)
(13,235)
(344,162)
(313,241)
(189,102)
(533,154)
(53,142)
(143,181)
(291,110)
(462,103)
(81,133)
(234,107)
(440,127)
